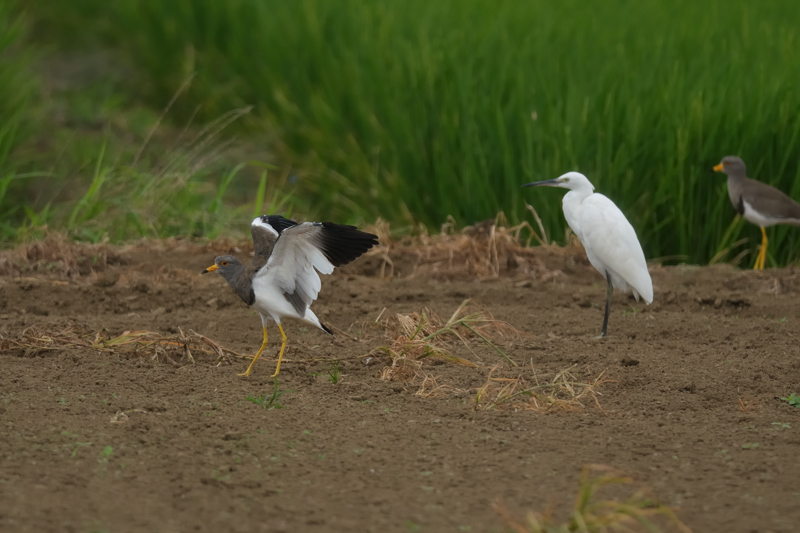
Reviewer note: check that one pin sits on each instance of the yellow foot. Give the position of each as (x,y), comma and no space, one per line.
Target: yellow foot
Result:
(759,265)
(252,363)
(256,356)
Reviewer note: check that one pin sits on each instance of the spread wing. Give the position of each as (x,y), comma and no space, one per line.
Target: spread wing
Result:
(302,250)
(265,231)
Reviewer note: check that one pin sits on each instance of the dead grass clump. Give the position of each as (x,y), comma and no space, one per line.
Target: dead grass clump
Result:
(422,340)
(424,335)
(564,393)
(57,256)
(488,249)
(172,349)
(639,512)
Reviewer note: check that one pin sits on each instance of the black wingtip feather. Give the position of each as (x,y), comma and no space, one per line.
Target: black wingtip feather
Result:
(278,222)
(342,244)
(326,329)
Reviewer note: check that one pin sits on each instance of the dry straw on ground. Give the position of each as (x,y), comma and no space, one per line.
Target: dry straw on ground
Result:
(56,256)
(563,393)
(421,340)
(424,334)
(174,349)
(488,249)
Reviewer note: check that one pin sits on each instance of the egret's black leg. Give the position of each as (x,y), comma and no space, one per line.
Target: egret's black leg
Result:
(608,305)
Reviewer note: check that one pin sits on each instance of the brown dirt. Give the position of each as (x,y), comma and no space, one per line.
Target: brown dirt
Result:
(124,439)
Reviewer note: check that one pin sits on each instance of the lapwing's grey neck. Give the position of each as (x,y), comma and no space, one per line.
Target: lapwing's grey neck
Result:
(735,186)
(737,174)
(240,281)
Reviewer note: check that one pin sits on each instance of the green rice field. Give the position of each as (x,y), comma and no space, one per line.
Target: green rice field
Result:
(410,111)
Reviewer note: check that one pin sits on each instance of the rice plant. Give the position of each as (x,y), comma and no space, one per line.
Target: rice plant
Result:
(415,111)
(16,122)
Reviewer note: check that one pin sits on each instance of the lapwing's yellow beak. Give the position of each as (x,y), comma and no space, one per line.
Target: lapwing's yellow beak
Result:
(718,168)
(212,268)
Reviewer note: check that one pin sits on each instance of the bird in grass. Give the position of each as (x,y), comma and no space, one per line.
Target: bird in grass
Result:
(757,202)
(281,280)
(607,236)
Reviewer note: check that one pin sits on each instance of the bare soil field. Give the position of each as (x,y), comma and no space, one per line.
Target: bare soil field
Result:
(122,410)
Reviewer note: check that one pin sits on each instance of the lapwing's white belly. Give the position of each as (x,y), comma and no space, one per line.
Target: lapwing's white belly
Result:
(270,301)
(751,215)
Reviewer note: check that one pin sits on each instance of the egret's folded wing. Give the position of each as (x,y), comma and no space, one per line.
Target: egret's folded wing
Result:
(306,248)
(614,242)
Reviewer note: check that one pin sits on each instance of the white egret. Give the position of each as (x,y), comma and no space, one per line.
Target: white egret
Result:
(609,239)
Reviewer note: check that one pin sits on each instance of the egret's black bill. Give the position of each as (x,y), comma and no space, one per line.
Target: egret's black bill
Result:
(551,183)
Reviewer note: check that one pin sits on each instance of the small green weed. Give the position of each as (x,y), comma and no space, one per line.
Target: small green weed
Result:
(723,454)
(219,476)
(750,446)
(793,399)
(333,372)
(632,312)
(78,446)
(105,454)
(270,402)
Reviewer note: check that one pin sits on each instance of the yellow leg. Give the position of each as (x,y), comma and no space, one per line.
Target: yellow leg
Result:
(283,347)
(263,345)
(761,259)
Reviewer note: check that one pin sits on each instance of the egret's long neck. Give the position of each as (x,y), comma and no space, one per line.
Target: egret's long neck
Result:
(571,204)
(575,196)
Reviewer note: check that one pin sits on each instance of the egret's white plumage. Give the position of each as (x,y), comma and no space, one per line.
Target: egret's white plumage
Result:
(609,239)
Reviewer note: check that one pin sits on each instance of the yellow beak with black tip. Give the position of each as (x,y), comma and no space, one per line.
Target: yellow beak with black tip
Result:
(212,268)
(718,168)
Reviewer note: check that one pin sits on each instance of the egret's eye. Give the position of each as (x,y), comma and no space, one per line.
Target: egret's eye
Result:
(224,263)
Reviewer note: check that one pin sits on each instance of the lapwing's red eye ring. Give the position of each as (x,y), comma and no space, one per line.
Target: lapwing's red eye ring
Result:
(224,263)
